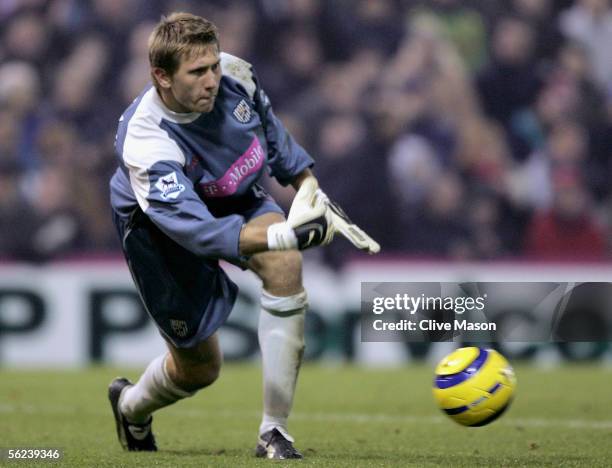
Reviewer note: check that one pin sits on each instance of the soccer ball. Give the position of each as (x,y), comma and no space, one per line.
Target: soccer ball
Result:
(474,386)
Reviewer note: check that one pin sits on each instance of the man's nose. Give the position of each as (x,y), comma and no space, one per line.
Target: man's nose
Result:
(210,80)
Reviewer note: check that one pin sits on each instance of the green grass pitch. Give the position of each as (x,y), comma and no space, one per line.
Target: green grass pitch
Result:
(343,416)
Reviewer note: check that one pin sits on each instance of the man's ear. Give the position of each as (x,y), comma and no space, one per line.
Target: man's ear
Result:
(164,80)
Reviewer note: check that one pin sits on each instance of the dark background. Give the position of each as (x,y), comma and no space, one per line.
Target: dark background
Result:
(459,130)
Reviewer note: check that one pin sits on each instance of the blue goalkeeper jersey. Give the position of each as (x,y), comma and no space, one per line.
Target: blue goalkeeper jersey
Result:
(179,167)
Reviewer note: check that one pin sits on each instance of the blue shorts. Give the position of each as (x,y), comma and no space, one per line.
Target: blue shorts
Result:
(189,297)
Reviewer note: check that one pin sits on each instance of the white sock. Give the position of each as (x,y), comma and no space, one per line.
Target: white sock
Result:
(153,391)
(281,340)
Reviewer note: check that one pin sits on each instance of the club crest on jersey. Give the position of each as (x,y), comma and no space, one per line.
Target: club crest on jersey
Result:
(242,112)
(179,327)
(169,186)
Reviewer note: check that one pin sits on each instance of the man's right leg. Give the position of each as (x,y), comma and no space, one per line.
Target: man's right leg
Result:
(168,378)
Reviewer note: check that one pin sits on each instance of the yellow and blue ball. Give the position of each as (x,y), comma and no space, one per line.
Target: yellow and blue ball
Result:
(474,386)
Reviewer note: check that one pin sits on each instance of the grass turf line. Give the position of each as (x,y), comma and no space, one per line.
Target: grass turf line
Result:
(343,416)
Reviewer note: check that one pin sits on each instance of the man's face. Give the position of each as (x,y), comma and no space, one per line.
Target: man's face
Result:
(194,86)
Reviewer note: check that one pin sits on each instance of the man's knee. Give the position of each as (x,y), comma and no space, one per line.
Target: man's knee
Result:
(207,374)
(194,369)
(284,264)
(281,272)
(191,376)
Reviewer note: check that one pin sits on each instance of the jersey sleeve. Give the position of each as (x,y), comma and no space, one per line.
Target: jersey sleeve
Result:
(163,191)
(286,158)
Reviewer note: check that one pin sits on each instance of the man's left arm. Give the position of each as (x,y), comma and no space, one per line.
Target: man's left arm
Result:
(290,164)
(296,183)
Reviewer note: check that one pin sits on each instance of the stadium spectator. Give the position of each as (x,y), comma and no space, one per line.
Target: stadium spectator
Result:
(538,13)
(590,23)
(568,230)
(354,24)
(462,25)
(566,149)
(134,75)
(27,38)
(296,64)
(17,217)
(510,81)
(20,90)
(440,227)
(486,235)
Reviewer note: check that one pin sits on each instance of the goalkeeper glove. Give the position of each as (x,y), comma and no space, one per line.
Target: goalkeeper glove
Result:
(341,223)
(308,223)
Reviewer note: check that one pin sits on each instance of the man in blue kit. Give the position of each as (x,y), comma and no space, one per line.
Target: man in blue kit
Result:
(192,148)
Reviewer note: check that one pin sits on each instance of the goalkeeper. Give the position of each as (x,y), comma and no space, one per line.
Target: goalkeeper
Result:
(191,149)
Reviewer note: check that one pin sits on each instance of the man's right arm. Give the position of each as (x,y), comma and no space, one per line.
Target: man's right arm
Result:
(308,224)
(163,191)
(253,239)
(167,196)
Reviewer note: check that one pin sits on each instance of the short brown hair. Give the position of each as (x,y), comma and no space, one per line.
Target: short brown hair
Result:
(179,35)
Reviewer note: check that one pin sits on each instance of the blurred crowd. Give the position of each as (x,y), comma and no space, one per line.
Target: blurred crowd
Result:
(453,129)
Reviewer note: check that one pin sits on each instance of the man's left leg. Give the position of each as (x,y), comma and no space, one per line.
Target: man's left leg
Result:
(281,340)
